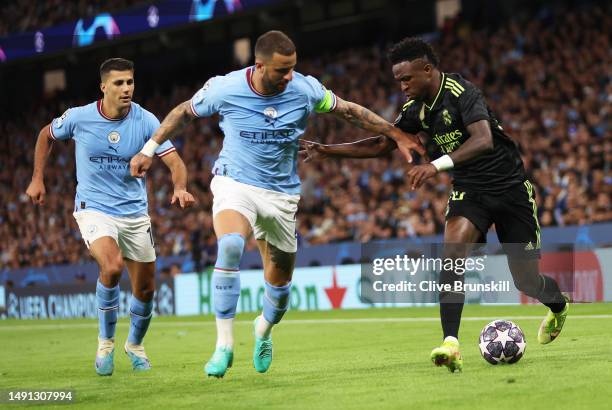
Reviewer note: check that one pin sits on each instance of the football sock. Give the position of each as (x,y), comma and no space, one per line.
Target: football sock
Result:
(140,318)
(107,300)
(226,285)
(550,295)
(451,304)
(225,336)
(450,316)
(275,304)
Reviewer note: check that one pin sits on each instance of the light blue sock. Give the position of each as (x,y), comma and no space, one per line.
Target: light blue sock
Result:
(107,300)
(140,317)
(226,275)
(276,302)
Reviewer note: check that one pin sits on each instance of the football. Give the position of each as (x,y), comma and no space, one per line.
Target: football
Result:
(502,341)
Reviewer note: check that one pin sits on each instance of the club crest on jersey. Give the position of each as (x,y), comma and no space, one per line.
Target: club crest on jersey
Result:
(271,114)
(446,117)
(114,137)
(91,229)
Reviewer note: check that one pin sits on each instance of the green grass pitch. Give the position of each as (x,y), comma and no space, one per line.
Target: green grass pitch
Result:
(369,359)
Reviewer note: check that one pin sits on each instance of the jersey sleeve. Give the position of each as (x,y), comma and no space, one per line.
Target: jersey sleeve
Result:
(408,120)
(472,105)
(207,100)
(321,99)
(151,125)
(63,127)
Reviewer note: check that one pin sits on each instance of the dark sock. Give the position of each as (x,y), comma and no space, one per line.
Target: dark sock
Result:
(451,306)
(551,296)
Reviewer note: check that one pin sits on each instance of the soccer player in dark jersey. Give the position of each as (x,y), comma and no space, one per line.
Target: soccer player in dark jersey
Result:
(450,116)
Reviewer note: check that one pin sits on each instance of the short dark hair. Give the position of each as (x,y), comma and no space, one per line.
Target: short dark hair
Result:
(117,64)
(274,42)
(410,49)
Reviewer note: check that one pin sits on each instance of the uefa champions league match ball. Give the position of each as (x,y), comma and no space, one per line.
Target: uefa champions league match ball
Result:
(502,341)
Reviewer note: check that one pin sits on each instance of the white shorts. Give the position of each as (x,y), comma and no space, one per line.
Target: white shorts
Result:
(270,213)
(133,235)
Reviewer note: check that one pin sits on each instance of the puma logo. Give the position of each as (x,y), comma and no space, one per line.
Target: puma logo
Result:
(114,149)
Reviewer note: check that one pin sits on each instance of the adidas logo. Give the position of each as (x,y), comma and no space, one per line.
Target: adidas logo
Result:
(529,247)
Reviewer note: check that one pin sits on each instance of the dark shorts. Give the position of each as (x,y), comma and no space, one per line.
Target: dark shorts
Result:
(513,212)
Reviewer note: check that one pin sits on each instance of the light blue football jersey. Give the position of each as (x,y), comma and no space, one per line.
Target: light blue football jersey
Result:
(103,150)
(261,132)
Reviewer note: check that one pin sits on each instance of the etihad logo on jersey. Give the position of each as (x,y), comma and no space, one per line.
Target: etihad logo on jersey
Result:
(110,162)
(448,142)
(269,137)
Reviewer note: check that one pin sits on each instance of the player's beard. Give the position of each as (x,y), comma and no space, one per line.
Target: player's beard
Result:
(273,87)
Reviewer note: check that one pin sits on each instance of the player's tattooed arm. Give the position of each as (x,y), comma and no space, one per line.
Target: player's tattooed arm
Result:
(363,118)
(479,142)
(174,122)
(36,190)
(371,147)
(179,179)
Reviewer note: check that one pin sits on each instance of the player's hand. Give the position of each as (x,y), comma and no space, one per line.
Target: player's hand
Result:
(36,191)
(312,151)
(407,143)
(140,164)
(418,174)
(183,198)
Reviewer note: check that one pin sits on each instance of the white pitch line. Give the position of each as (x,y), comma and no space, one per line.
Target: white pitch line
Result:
(290,322)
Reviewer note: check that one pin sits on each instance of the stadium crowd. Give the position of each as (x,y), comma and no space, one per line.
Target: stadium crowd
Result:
(546,77)
(19,16)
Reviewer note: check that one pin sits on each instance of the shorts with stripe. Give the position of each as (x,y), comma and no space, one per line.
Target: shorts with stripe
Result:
(513,212)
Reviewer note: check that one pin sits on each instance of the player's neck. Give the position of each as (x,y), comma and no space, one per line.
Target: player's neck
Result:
(435,86)
(111,111)
(258,85)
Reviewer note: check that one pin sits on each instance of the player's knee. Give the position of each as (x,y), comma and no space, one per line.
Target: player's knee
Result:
(112,266)
(230,249)
(145,293)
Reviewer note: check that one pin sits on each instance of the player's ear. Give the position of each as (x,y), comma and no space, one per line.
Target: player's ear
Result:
(102,87)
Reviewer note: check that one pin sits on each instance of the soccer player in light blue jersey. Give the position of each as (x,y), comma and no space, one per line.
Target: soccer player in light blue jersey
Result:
(264,110)
(110,205)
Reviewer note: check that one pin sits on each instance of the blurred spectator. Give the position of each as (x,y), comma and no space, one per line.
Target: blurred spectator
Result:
(548,82)
(18,16)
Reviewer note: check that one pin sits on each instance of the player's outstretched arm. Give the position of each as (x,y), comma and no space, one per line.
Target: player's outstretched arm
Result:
(368,120)
(178,170)
(173,123)
(36,190)
(371,147)
(479,142)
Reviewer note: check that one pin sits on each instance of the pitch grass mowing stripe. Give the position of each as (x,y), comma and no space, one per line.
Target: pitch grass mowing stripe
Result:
(290,322)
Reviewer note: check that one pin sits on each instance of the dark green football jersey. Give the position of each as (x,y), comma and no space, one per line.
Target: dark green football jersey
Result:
(458,104)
